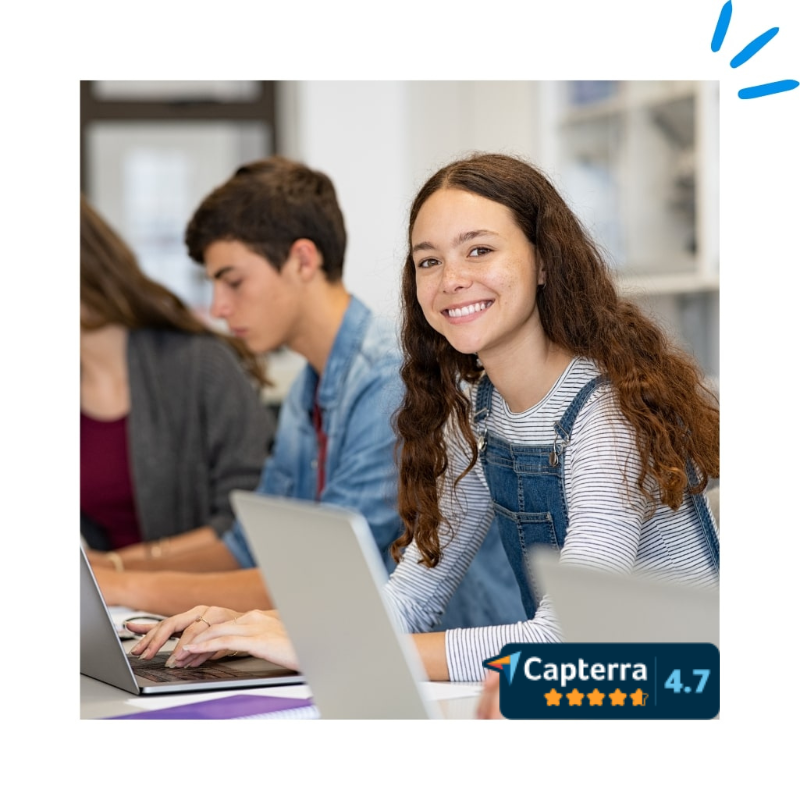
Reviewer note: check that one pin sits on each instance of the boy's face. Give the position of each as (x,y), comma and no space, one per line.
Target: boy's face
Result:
(259,303)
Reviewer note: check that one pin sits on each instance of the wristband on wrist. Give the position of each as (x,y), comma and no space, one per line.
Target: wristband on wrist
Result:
(116,560)
(157,549)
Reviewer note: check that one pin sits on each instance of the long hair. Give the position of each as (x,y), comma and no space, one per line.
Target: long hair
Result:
(114,290)
(659,389)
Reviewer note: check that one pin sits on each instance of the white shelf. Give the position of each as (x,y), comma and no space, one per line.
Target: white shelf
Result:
(638,163)
(633,285)
(652,95)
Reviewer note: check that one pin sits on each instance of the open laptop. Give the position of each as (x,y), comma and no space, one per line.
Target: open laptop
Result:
(324,571)
(103,657)
(594,606)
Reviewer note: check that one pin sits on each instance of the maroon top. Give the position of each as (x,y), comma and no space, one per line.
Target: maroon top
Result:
(106,487)
(322,442)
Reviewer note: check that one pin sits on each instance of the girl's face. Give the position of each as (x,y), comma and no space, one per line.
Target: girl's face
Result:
(476,274)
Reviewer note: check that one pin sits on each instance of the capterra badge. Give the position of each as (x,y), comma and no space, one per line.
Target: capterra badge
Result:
(608,681)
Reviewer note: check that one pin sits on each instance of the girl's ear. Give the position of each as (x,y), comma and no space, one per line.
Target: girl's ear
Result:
(541,278)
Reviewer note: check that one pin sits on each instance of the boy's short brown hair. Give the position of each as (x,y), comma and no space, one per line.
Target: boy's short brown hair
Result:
(268,205)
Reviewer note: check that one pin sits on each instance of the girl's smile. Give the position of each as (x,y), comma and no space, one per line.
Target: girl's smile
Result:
(466,313)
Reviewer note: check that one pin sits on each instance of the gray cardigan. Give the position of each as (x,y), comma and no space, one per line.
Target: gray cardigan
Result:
(196,430)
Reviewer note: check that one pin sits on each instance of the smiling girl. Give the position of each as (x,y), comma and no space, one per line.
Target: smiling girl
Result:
(538,397)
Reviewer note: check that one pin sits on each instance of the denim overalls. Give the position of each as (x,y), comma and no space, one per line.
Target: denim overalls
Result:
(526,483)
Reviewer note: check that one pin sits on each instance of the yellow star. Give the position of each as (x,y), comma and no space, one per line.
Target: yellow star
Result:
(553,697)
(575,698)
(638,697)
(596,698)
(617,698)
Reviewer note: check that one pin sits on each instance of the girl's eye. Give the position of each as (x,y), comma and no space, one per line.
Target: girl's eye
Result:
(234,284)
(427,262)
(479,251)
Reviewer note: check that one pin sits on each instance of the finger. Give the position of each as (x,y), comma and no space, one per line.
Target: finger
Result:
(189,661)
(147,636)
(153,639)
(222,654)
(486,705)
(225,642)
(203,623)
(182,656)
(200,658)
(480,712)
(194,629)
(489,696)
(140,627)
(217,637)
(157,637)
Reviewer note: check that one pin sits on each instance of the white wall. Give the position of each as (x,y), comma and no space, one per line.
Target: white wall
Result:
(354,131)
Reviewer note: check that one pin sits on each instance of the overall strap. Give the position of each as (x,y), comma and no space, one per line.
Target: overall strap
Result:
(563,428)
(483,407)
(483,399)
(703,513)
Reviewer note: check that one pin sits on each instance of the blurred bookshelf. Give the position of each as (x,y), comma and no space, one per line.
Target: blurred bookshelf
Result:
(639,163)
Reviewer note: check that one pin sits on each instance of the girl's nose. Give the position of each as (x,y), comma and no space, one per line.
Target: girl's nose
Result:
(455,276)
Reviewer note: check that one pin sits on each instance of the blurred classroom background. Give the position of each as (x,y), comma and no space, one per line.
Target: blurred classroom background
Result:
(637,160)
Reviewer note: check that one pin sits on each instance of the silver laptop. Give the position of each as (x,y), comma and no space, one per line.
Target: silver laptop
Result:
(103,657)
(324,571)
(594,606)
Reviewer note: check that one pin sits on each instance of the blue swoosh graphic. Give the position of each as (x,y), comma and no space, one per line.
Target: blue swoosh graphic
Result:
(722,26)
(748,52)
(767,88)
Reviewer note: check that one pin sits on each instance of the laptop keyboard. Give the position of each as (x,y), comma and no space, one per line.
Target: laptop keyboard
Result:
(155,670)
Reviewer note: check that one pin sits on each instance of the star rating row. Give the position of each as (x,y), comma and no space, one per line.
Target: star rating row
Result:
(596,697)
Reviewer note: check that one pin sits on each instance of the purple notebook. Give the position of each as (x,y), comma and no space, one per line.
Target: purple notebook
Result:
(237,706)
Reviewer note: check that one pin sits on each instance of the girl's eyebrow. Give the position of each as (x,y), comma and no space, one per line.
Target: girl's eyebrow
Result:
(460,239)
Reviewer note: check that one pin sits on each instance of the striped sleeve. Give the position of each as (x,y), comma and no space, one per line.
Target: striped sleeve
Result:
(419,595)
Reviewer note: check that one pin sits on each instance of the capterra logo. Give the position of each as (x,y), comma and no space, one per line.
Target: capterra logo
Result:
(507,665)
(564,673)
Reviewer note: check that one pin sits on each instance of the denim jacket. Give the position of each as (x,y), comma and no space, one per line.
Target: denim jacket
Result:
(359,391)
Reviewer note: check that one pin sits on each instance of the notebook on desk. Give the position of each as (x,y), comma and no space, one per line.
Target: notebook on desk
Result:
(103,657)
(326,576)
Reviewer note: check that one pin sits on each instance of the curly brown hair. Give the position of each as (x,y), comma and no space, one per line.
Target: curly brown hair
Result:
(659,389)
(115,290)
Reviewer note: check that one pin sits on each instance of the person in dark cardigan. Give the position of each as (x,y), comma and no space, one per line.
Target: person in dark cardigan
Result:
(171,419)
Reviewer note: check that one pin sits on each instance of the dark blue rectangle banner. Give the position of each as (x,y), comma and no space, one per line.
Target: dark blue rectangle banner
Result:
(608,681)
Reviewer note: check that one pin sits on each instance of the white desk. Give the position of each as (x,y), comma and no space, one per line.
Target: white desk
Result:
(99,700)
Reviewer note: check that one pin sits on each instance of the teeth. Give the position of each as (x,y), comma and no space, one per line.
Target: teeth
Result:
(463,312)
